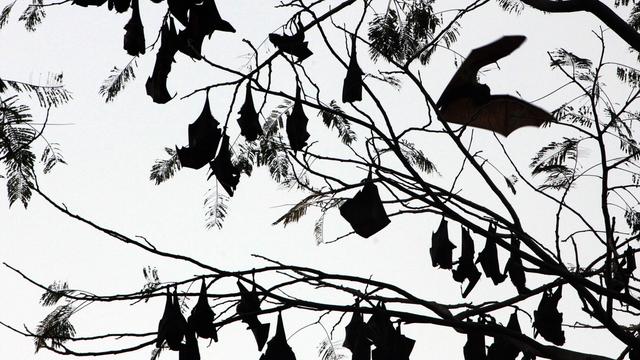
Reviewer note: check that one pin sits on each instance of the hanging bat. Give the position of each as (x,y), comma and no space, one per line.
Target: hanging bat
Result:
(204,19)
(474,348)
(365,212)
(278,348)
(172,326)
(379,327)
(622,270)
(352,85)
(157,84)
(465,101)
(189,350)
(502,349)
(247,309)
(249,124)
(292,44)
(297,125)
(201,319)
(441,248)
(85,3)
(466,269)
(134,42)
(356,339)
(488,258)
(515,269)
(395,347)
(547,320)
(120,5)
(204,136)
(227,174)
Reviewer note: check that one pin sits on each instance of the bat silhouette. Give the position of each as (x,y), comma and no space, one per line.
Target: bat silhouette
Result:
(465,101)
(502,349)
(180,9)
(515,269)
(466,269)
(157,84)
(204,136)
(85,3)
(441,248)
(228,175)
(278,348)
(297,125)
(352,85)
(134,36)
(120,5)
(474,348)
(249,124)
(201,319)
(488,258)
(292,44)
(172,326)
(247,309)
(379,327)
(189,350)
(394,347)
(356,337)
(204,19)
(547,320)
(622,270)
(365,212)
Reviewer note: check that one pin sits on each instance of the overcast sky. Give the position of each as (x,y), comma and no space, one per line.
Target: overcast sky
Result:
(111,147)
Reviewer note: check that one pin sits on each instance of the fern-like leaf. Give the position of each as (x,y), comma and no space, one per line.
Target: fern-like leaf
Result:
(4,15)
(297,211)
(52,93)
(318,229)
(117,80)
(417,157)
(55,327)
(164,169)
(215,209)
(33,15)
(338,122)
(51,156)
(54,293)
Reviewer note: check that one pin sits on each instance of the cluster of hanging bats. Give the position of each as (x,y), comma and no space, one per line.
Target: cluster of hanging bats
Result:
(464,101)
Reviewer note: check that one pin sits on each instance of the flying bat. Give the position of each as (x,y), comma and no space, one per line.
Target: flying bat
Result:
(278,348)
(365,212)
(441,248)
(248,309)
(201,319)
(172,326)
(466,269)
(249,124)
(547,320)
(465,101)
(297,125)
(474,348)
(189,350)
(502,349)
(134,42)
(352,85)
(204,136)
(292,44)
(225,171)
(204,19)
(157,84)
(488,258)
(356,338)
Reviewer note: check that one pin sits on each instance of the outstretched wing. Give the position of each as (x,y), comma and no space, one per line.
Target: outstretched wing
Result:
(467,73)
(503,114)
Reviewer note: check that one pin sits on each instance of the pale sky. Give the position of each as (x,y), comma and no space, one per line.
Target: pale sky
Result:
(111,147)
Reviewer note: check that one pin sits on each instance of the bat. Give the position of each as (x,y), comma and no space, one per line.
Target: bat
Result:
(395,347)
(225,171)
(292,44)
(474,348)
(204,19)
(297,125)
(157,84)
(134,36)
(515,269)
(120,5)
(365,212)
(249,124)
(189,350)
(85,3)
(278,348)
(204,137)
(247,309)
(547,320)
(180,9)
(201,319)
(488,258)
(172,326)
(441,248)
(356,339)
(622,270)
(352,85)
(502,349)
(466,269)
(379,327)
(466,102)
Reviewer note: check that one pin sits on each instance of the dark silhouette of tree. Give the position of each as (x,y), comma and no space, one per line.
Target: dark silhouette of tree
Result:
(398,178)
